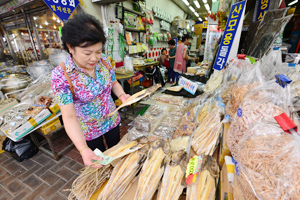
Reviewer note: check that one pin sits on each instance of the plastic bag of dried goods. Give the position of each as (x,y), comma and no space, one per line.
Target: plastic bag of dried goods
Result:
(214,82)
(164,131)
(171,120)
(249,79)
(142,124)
(268,164)
(262,102)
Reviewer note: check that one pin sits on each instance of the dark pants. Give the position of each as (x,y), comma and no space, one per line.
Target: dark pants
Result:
(112,138)
(177,76)
(171,75)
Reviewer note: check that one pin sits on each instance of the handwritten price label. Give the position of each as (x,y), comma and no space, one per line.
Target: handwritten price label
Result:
(192,169)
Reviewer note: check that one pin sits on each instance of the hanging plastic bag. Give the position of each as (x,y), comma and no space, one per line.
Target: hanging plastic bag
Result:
(248,80)
(21,150)
(261,103)
(268,164)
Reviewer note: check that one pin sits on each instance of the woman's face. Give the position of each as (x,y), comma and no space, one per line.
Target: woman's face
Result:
(87,57)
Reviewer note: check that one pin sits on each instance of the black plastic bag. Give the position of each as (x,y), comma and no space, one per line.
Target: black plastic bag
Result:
(21,150)
(157,76)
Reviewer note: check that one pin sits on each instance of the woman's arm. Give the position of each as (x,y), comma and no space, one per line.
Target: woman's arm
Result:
(75,133)
(186,57)
(119,92)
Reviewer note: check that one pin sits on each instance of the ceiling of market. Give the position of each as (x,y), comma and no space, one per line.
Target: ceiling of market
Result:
(202,11)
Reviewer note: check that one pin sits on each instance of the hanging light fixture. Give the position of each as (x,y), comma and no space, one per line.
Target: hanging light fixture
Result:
(54,27)
(207,7)
(186,2)
(54,18)
(197,15)
(197,3)
(204,1)
(46,23)
(200,19)
(191,8)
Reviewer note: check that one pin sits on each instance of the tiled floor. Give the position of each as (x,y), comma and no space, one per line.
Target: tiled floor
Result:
(42,177)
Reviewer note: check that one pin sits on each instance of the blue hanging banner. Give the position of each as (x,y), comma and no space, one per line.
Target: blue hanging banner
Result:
(62,8)
(263,6)
(232,25)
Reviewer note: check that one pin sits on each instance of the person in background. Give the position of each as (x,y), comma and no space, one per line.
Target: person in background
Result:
(162,57)
(82,86)
(171,57)
(201,51)
(181,57)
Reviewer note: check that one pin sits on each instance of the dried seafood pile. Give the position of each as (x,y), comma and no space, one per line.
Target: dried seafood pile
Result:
(207,134)
(206,183)
(269,164)
(152,170)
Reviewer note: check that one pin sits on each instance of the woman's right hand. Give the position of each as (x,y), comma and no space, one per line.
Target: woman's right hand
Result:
(88,156)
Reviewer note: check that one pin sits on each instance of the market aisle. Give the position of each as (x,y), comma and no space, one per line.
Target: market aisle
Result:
(42,177)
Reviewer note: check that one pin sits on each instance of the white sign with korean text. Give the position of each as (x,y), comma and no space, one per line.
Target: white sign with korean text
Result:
(188,85)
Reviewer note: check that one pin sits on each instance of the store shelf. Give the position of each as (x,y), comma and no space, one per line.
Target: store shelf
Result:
(134,30)
(134,12)
(162,19)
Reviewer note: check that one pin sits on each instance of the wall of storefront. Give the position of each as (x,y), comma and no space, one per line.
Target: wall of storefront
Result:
(92,9)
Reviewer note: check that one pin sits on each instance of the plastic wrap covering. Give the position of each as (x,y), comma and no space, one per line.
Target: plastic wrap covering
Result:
(263,102)
(156,110)
(214,82)
(56,59)
(248,80)
(164,131)
(134,134)
(180,101)
(176,110)
(184,129)
(172,121)
(268,164)
(39,68)
(206,136)
(142,124)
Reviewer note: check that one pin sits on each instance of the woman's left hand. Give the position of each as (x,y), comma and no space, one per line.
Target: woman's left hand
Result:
(124,97)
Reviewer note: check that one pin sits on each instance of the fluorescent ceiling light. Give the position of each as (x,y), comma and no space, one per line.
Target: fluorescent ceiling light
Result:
(58,21)
(207,6)
(191,8)
(41,26)
(293,2)
(34,18)
(197,3)
(200,19)
(197,15)
(46,23)
(214,1)
(204,1)
(186,2)
(209,12)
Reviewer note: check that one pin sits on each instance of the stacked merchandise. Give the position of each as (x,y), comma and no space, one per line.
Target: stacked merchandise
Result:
(150,162)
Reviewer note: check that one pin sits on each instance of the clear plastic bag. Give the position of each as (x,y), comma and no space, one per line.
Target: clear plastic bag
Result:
(134,134)
(263,102)
(142,124)
(171,120)
(156,110)
(190,115)
(214,82)
(184,129)
(176,110)
(248,80)
(268,164)
(164,131)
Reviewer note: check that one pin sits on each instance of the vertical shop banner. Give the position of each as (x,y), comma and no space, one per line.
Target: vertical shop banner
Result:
(261,7)
(62,8)
(231,37)
(12,5)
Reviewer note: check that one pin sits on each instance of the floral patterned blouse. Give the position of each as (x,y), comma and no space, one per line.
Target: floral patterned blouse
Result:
(92,100)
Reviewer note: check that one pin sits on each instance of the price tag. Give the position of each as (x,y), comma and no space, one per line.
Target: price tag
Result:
(192,169)
(188,85)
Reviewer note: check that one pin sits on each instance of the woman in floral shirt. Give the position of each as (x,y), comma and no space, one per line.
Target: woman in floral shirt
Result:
(85,105)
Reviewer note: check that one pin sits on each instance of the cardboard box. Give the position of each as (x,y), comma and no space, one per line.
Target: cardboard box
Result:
(224,151)
(50,126)
(28,126)
(54,108)
(226,187)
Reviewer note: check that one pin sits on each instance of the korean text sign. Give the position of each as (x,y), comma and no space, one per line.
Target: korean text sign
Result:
(263,6)
(62,8)
(188,85)
(232,25)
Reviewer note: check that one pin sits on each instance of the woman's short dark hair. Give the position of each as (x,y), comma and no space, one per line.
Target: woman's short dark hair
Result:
(83,30)
(164,49)
(171,42)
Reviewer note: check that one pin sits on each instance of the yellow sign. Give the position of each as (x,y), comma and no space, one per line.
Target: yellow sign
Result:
(205,24)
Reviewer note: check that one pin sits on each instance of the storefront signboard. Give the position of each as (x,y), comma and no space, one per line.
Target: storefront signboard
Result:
(62,8)
(12,5)
(231,37)
(261,7)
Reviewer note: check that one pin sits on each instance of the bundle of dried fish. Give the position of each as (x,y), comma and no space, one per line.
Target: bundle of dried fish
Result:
(180,144)
(207,134)
(206,183)
(171,186)
(214,82)
(152,170)
(91,179)
(136,97)
(123,175)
